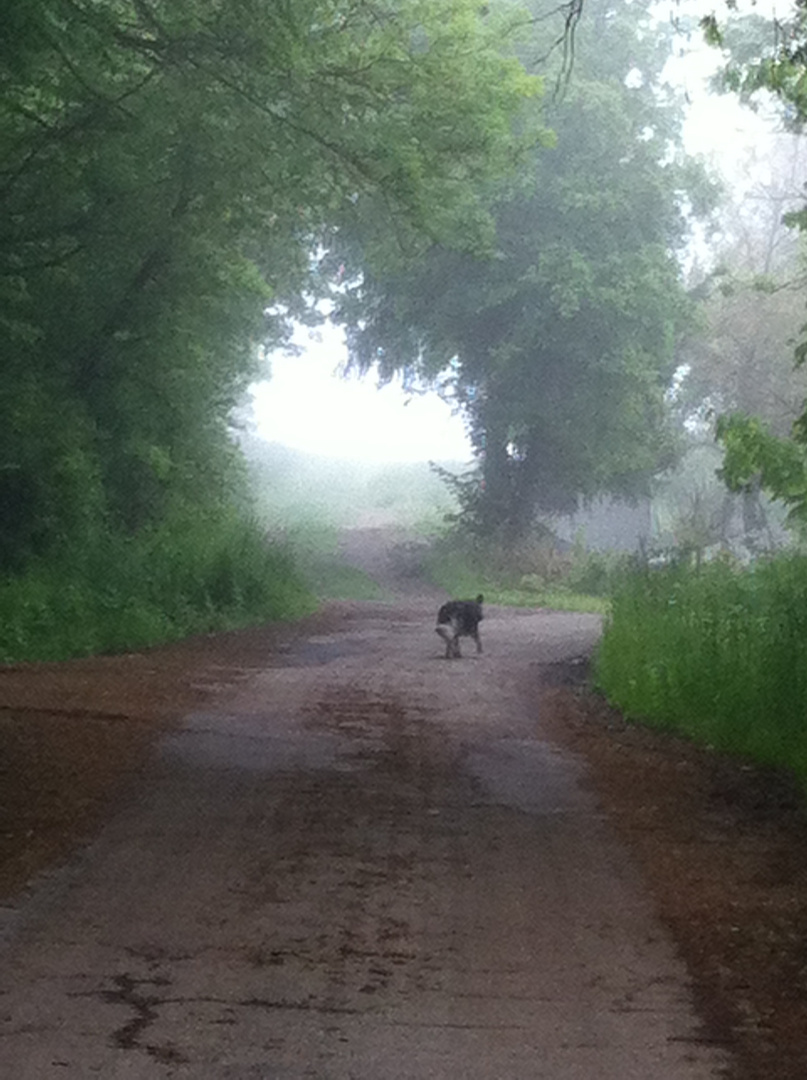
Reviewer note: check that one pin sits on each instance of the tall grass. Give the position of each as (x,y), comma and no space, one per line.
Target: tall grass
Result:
(120,593)
(531,575)
(718,653)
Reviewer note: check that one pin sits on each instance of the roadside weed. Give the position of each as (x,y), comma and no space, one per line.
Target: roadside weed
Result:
(718,653)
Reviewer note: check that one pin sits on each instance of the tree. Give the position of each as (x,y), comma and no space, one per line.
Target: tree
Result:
(740,356)
(764,55)
(558,348)
(167,170)
(769,57)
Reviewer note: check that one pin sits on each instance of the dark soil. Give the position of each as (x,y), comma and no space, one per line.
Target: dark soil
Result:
(74,735)
(723,846)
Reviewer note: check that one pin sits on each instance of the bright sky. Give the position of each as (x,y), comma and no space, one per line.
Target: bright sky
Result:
(307,405)
(717,125)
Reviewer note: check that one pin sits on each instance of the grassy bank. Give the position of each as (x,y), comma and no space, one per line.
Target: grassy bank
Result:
(718,653)
(125,593)
(318,557)
(530,576)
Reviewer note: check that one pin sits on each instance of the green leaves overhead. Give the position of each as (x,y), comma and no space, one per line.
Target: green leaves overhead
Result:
(755,457)
(167,170)
(765,54)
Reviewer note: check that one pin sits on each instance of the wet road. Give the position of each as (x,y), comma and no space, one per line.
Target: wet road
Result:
(366,862)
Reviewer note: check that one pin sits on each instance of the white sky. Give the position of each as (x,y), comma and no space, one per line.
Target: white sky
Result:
(307,405)
(717,125)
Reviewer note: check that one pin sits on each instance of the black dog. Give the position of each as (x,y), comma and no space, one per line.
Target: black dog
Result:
(456,619)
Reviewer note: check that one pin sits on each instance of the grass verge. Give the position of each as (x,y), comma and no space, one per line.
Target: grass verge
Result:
(535,578)
(121,593)
(718,653)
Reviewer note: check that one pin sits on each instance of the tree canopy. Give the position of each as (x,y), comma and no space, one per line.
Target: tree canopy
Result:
(560,347)
(168,169)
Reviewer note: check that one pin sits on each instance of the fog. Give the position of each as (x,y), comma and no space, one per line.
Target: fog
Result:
(295,488)
(343,451)
(310,404)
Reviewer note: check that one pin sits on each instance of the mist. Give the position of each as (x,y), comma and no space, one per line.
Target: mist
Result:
(293,488)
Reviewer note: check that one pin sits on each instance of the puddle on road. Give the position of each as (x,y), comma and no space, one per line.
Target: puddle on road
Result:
(525,775)
(256,743)
(317,651)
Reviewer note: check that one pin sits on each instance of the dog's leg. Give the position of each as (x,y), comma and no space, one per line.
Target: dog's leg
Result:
(448,638)
(478,641)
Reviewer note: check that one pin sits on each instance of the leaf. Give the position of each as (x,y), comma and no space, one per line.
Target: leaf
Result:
(712,33)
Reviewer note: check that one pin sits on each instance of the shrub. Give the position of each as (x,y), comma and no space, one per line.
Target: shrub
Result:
(118,593)
(531,574)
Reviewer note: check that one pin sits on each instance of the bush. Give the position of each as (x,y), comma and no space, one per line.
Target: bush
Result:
(531,574)
(202,574)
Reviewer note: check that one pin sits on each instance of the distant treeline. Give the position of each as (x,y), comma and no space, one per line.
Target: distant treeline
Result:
(292,487)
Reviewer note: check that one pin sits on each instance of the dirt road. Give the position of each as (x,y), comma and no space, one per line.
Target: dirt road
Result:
(362,861)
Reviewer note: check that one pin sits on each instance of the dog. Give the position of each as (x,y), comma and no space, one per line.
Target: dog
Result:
(456,619)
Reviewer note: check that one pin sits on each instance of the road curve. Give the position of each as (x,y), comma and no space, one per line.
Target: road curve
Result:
(363,862)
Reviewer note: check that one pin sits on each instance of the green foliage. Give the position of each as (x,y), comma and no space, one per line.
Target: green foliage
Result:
(182,578)
(765,54)
(533,574)
(711,31)
(168,171)
(559,347)
(719,654)
(771,57)
(754,455)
